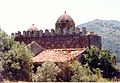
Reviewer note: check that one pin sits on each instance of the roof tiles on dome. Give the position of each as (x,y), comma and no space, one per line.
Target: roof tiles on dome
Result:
(65,18)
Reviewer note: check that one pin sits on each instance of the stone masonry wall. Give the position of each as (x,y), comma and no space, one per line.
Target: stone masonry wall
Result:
(53,40)
(95,40)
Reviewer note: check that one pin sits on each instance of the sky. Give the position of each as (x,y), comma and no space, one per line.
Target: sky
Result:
(19,15)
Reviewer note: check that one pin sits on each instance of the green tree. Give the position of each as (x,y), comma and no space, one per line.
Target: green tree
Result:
(102,59)
(6,41)
(80,73)
(46,73)
(17,63)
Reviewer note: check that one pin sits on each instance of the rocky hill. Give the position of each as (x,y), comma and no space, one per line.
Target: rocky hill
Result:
(110,33)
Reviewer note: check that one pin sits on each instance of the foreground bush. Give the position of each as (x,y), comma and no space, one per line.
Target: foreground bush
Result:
(96,58)
(46,73)
(82,73)
(17,63)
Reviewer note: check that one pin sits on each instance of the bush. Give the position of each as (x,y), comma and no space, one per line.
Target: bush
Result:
(82,73)
(97,58)
(46,73)
(17,63)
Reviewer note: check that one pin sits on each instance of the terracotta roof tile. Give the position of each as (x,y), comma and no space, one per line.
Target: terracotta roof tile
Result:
(65,18)
(58,55)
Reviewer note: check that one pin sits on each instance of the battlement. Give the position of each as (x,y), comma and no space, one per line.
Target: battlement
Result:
(52,32)
(65,35)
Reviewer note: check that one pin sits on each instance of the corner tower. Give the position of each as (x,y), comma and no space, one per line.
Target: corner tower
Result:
(64,22)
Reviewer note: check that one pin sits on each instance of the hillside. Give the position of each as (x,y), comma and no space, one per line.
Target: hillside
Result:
(110,33)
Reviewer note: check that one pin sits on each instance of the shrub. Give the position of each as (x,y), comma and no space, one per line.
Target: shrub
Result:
(17,63)
(46,73)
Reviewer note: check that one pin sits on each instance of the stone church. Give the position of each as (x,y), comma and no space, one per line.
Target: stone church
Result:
(65,35)
(64,43)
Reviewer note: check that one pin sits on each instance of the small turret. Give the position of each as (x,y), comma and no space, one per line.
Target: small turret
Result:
(84,31)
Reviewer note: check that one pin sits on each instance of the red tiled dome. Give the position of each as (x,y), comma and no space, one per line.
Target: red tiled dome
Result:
(32,28)
(64,21)
(65,18)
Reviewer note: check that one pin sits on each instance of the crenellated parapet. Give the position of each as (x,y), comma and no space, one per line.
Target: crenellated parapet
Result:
(51,39)
(52,32)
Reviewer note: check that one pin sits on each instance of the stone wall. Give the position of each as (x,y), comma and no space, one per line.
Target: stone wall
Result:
(53,40)
(95,40)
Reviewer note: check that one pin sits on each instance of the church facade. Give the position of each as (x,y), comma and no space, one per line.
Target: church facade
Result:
(65,35)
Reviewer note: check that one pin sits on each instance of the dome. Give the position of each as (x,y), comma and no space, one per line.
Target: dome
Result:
(64,22)
(65,18)
(32,28)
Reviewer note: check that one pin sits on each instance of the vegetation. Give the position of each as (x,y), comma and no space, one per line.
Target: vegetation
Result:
(109,30)
(17,63)
(94,65)
(82,73)
(46,73)
(96,58)
(6,41)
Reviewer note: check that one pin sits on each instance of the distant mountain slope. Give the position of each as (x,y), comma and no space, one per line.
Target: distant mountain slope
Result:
(109,31)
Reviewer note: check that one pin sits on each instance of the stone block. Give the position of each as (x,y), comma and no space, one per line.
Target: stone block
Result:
(16,35)
(19,33)
(77,30)
(52,32)
(84,31)
(40,33)
(47,32)
(24,33)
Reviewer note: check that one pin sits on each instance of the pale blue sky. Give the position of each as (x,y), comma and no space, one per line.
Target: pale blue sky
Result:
(21,14)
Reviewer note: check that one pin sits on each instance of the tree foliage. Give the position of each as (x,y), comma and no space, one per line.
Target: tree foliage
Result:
(17,63)
(80,73)
(97,58)
(6,41)
(46,73)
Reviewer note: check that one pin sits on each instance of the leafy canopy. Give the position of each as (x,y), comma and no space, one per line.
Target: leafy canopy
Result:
(6,41)
(17,63)
(82,73)
(102,59)
(46,73)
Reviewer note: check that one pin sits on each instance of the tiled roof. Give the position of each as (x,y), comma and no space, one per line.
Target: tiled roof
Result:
(58,55)
(65,18)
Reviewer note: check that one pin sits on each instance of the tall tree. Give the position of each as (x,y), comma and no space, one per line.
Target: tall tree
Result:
(17,63)
(6,41)
(102,59)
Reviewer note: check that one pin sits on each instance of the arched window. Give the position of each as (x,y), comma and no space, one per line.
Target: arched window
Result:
(67,20)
